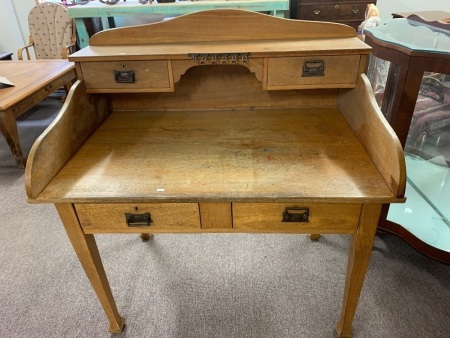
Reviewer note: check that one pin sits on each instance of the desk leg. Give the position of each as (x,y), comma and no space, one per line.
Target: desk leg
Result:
(87,252)
(8,128)
(358,261)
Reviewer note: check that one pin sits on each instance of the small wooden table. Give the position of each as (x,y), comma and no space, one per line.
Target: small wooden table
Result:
(96,9)
(34,81)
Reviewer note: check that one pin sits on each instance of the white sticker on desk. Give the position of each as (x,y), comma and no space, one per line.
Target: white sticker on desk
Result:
(160,190)
(5,83)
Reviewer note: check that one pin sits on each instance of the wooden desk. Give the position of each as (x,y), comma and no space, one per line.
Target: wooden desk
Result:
(134,8)
(34,81)
(178,127)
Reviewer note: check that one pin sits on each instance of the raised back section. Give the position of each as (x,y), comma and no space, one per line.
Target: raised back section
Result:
(209,26)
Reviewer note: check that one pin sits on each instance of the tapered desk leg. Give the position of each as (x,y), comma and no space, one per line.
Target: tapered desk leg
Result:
(87,252)
(358,261)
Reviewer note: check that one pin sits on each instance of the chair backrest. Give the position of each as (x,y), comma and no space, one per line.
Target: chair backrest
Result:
(51,30)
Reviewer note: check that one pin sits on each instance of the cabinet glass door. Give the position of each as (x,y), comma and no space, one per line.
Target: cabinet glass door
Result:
(427,152)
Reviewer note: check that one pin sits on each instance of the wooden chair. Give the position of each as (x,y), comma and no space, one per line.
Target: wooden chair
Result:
(52,32)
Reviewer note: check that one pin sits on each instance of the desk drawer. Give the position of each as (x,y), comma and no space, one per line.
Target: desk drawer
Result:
(127,76)
(338,71)
(162,217)
(322,218)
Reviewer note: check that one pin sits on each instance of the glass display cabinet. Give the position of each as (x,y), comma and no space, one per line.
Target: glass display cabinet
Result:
(410,73)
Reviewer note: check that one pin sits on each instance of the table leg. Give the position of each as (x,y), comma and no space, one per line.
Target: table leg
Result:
(87,252)
(82,34)
(8,128)
(358,261)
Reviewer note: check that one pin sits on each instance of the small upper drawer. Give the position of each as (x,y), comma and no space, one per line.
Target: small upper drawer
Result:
(337,71)
(296,218)
(142,217)
(127,76)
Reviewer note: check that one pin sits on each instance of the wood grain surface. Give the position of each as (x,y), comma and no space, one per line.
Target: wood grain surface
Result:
(246,155)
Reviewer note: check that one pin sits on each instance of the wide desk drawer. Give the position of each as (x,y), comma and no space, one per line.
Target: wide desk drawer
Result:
(148,217)
(330,71)
(296,218)
(127,76)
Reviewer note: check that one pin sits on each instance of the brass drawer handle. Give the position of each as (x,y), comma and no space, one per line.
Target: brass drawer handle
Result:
(138,220)
(313,68)
(296,214)
(355,10)
(124,76)
(316,11)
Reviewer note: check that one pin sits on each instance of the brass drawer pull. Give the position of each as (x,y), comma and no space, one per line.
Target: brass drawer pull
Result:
(355,10)
(313,68)
(316,11)
(296,214)
(124,76)
(138,220)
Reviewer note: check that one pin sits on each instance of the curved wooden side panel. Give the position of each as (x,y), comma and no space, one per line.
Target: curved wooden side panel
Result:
(361,111)
(78,118)
(220,25)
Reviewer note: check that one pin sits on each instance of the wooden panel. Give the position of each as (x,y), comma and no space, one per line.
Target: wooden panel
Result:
(375,133)
(148,76)
(215,215)
(78,118)
(287,73)
(323,218)
(166,217)
(203,26)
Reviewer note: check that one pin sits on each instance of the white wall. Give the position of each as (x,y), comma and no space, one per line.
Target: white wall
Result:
(21,8)
(387,7)
(14,26)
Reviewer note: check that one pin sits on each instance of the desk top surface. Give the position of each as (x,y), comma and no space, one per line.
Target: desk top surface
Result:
(29,77)
(243,155)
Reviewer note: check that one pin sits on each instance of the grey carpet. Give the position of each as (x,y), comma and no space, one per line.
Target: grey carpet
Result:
(202,286)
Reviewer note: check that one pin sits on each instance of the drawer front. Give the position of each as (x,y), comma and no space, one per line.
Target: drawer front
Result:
(352,12)
(348,13)
(283,217)
(162,217)
(127,76)
(317,12)
(339,71)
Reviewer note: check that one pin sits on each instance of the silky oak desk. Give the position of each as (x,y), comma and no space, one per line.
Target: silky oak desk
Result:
(221,121)
(34,81)
(96,9)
